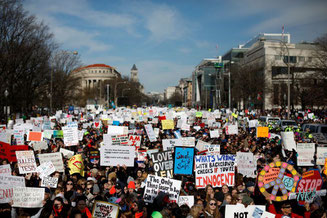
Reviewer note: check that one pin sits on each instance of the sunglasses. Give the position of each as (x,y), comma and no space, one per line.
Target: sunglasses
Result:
(213,204)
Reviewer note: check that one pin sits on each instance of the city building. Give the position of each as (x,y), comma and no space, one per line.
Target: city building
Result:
(169,91)
(185,85)
(134,74)
(206,83)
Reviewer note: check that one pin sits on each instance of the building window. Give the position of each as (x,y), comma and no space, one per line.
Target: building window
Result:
(278,57)
(309,59)
(292,59)
(301,59)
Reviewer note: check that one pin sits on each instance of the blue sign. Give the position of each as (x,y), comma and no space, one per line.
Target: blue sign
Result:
(115,123)
(71,108)
(183,162)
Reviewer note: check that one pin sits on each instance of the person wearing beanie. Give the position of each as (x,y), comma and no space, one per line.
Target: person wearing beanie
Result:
(247,200)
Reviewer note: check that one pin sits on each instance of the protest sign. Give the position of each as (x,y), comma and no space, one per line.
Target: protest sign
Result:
(306,188)
(119,139)
(8,151)
(117,130)
(231,130)
(183,161)
(169,144)
(114,155)
(253,123)
(18,181)
(58,134)
(34,136)
(5,170)
(246,164)
(46,125)
(212,149)
(188,200)
(185,127)
(305,153)
(70,136)
(150,132)
(163,163)
(240,211)
(262,132)
(134,140)
(106,139)
(188,141)
(5,194)
(156,184)
(19,136)
(102,209)
(167,124)
(67,153)
(47,134)
(288,140)
(216,170)
(26,161)
(214,133)
(201,145)
(42,145)
(76,165)
(271,175)
(28,197)
(51,182)
(55,158)
(321,155)
(45,169)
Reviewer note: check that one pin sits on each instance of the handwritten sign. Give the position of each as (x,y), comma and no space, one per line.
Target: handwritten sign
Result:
(169,144)
(51,182)
(45,169)
(102,209)
(288,140)
(167,124)
(163,163)
(42,145)
(34,136)
(150,132)
(117,130)
(214,133)
(183,162)
(19,136)
(321,155)
(28,197)
(134,140)
(119,139)
(66,153)
(305,152)
(216,170)
(55,158)
(240,211)
(188,200)
(246,164)
(7,183)
(26,161)
(271,175)
(262,132)
(155,184)
(70,136)
(188,141)
(5,170)
(231,130)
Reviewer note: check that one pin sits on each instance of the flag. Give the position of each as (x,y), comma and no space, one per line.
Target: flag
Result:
(76,165)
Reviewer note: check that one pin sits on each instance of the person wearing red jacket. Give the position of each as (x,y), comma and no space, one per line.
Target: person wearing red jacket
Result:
(286,210)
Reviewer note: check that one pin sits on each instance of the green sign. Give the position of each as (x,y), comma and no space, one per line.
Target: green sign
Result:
(58,134)
(219,65)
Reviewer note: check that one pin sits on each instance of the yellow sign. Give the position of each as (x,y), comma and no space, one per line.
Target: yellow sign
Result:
(325,170)
(76,165)
(198,114)
(262,131)
(167,124)
(234,115)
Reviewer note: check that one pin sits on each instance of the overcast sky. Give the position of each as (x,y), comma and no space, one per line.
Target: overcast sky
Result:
(167,39)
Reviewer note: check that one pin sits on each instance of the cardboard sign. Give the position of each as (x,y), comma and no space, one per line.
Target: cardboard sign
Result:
(51,182)
(39,145)
(155,184)
(262,132)
(246,164)
(188,200)
(55,158)
(117,130)
(216,170)
(66,153)
(306,188)
(169,144)
(168,124)
(114,155)
(188,141)
(102,209)
(70,136)
(119,139)
(19,136)
(212,149)
(240,211)
(163,163)
(28,197)
(214,133)
(288,140)
(45,169)
(306,153)
(7,183)
(150,132)
(201,145)
(134,140)
(35,136)
(231,130)
(26,162)
(47,134)
(183,162)
(321,155)
(5,170)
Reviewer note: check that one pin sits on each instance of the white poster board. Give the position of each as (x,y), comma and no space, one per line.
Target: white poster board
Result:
(150,132)
(321,155)
(288,140)
(51,182)
(169,144)
(305,153)
(246,164)
(55,158)
(26,162)
(70,136)
(27,197)
(114,155)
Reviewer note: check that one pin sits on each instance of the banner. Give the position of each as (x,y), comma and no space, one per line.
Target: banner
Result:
(163,163)
(231,130)
(119,139)
(321,155)
(55,158)
(169,144)
(168,124)
(156,184)
(150,132)
(305,153)
(35,136)
(183,162)
(70,136)
(26,161)
(51,182)
(114,155)
(188,141)
(288,140)
(45,169)
(262,132)
(28,197)
(246,164)
(76,165)
(8,151)
(216,170)
(102,209)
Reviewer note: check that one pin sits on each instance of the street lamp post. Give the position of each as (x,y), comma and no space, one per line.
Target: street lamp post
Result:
(6,93)
(116,91)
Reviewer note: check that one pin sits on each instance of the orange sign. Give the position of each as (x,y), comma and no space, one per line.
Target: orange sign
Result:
(271,175)
(34,136)
(262,131)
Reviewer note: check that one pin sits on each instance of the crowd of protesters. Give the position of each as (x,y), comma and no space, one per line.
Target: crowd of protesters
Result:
(124,186)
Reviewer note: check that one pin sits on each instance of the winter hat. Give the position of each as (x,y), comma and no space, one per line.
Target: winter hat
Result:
(131,185)
(219,196)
